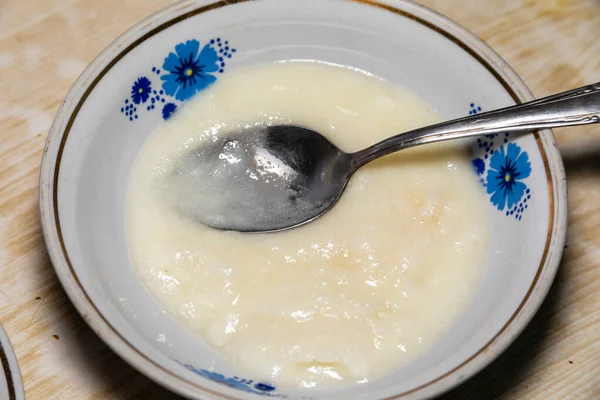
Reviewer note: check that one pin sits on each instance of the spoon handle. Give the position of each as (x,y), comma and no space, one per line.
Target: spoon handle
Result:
(579,106)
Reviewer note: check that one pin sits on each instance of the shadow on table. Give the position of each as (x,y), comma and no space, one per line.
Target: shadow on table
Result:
(119,380)
(583,159)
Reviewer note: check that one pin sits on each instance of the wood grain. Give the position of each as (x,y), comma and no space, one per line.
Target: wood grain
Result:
(44,45)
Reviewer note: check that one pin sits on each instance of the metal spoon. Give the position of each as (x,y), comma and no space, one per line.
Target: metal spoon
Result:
(279,177)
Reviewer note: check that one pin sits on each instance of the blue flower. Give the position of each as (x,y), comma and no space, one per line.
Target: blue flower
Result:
(264,387)
(507,168)
(168,110)
(141,89)
(215,376)
(188,71)
(232,382)
(479,165)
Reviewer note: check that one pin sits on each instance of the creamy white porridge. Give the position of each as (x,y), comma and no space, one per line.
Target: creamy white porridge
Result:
(344,299)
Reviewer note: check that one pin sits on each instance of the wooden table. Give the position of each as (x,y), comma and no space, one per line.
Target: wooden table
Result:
(553,44)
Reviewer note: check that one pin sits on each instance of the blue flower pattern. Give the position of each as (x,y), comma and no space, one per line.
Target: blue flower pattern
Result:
(479,166)
(508,167)
(168,110)
(188,70)
(141,90)
(235,382)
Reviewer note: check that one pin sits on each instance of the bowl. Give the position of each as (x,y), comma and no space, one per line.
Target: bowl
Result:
(120,98)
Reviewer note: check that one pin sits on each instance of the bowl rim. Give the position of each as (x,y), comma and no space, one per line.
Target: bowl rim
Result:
(10,367)
(157,22)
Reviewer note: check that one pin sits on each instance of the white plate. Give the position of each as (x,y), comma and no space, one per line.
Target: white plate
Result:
(11,386)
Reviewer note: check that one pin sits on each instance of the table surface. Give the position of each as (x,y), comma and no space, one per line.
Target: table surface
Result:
(44,45)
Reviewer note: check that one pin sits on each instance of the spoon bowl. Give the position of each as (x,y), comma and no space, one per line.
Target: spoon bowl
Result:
(269,178)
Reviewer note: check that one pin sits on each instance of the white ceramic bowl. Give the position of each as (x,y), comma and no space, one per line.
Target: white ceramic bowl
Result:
(105,118)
